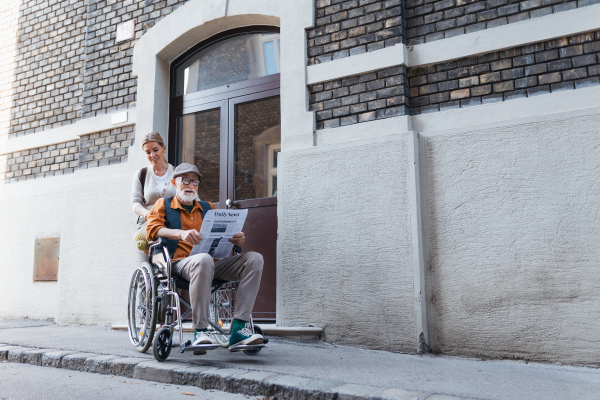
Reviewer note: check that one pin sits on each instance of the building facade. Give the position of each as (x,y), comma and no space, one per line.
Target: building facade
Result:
(426,170)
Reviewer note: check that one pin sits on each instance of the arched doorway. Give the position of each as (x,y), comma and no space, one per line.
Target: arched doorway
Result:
(225,118)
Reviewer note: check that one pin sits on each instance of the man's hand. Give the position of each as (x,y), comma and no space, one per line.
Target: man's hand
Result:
(192,236)
(238,239)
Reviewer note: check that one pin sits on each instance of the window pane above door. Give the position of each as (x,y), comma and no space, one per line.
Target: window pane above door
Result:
(234,59)
(201,143)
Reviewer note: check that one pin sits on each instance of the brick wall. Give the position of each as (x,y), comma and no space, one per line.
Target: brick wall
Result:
(68,65)
(108,84)
(562,64)
(545,67)
(49,59)
(361,98)
(96,149)
(427,21)
(57,159)
(344,28)
(106,147)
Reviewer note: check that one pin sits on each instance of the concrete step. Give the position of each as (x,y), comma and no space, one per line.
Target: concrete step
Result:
(289,332)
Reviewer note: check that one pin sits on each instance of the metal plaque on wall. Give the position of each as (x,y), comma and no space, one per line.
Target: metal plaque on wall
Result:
(45,260)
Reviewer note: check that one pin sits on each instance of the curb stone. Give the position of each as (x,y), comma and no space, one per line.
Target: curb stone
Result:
(397,394)
(34,357)
(4,352)
(16,354)
(75,361)
(123,366)
(351,391)
(97,364)
(157,371)
(216,378)
(251,383)
(286,386)
(234,380)
(53,358)
(189,376)
(319,390)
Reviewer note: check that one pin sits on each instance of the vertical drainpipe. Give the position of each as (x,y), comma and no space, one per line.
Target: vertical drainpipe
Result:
(414,198)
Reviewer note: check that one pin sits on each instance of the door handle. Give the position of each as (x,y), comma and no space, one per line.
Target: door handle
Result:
(229,203)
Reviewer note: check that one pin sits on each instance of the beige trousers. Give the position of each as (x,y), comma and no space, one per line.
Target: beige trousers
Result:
(200,270)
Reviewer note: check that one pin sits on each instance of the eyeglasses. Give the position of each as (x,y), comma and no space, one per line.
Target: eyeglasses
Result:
(187,181)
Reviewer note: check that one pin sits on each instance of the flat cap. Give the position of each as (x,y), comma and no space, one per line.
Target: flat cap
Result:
(185,168)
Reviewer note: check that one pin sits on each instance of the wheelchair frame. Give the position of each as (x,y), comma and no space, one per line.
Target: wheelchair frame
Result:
(151,286)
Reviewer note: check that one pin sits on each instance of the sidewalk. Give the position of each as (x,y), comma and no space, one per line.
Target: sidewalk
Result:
(296,369)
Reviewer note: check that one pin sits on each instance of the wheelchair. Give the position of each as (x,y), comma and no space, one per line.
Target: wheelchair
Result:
(153,299)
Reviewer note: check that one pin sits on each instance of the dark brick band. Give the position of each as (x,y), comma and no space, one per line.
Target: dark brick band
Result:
(93,150)
(56,159)
(361,98)
(106,147)
(427,21)
(561,64)
(545,67)
(347,27)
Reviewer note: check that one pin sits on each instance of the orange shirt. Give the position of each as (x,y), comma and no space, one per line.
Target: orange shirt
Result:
(193,220)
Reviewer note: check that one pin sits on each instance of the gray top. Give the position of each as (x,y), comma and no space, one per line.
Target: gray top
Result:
(152,190)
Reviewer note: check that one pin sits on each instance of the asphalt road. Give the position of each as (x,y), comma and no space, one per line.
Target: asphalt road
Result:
(28,382)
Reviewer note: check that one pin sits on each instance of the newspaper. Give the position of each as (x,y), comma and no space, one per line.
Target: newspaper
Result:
(218,226)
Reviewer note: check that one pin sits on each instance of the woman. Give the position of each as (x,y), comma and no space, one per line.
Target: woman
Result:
(150,183)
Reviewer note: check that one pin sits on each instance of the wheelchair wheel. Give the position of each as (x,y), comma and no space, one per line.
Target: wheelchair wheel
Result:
(141,315)
(253,352)
(163,343)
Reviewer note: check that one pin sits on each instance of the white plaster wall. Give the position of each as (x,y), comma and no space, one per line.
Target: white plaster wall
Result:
(89,211)
(345,256)
(28,211)
(100,252)
(512,226)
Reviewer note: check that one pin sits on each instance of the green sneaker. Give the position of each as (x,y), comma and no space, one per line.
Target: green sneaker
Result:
(244,336)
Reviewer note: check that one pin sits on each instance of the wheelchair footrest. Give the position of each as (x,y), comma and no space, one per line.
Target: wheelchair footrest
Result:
(199,347)
(243,347)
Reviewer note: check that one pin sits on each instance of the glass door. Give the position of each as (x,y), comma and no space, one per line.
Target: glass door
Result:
(233,137)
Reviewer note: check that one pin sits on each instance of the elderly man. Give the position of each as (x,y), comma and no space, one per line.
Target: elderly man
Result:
(178,219)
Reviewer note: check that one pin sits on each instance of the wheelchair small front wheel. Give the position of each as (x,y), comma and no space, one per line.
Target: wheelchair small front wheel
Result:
(163,344)
(253,352)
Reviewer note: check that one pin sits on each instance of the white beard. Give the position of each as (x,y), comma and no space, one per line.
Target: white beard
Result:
(186,198)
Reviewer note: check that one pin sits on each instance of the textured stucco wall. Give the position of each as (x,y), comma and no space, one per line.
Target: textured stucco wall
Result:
(345,256)
(512,223)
